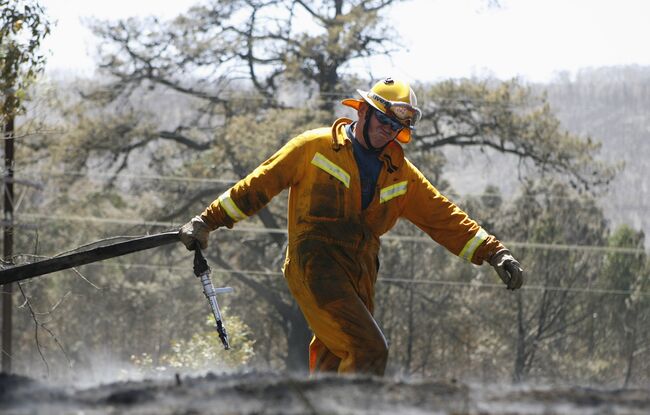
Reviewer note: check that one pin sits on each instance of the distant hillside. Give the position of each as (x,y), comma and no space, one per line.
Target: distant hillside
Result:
(609,104)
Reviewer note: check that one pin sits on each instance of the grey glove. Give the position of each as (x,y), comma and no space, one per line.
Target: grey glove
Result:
(508,268)
(195,231)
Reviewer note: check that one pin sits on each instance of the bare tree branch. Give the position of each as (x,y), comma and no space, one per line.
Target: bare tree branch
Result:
(181,139)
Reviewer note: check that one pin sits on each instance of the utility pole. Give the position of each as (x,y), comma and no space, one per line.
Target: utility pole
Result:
(8,246)
(23,25)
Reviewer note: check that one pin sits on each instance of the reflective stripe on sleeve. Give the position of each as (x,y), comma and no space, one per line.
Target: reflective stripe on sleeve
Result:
(230,207)
(390,192)
(322,162)
(473,244)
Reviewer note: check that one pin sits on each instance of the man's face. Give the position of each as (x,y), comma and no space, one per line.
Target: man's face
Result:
(380,133)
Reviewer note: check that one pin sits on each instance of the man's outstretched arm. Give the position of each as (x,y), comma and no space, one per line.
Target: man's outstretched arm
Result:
(248,195)
(452,228)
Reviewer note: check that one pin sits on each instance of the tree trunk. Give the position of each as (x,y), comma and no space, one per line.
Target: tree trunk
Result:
(630,347)
(298,338)
(411,330)
(7,289)
(520,357)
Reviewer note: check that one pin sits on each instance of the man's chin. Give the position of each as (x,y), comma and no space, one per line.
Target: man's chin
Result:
(382,141)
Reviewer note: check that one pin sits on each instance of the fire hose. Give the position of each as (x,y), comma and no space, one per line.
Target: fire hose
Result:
(112,250)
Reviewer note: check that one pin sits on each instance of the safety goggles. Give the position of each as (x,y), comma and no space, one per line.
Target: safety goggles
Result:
(386,120)
(406,114)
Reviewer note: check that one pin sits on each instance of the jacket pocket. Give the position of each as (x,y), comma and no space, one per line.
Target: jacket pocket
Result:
(327,200)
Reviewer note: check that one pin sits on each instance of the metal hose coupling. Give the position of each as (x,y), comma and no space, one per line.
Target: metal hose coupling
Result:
(202,270)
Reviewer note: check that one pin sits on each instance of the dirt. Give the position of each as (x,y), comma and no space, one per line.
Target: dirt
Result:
(275,393)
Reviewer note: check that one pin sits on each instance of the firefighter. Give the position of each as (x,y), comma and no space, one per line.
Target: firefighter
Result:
(349,184)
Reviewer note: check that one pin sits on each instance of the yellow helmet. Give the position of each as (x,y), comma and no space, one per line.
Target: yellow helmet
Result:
(396,99)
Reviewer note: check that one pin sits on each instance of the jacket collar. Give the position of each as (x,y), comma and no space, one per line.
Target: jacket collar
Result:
(339,137)
(392,156)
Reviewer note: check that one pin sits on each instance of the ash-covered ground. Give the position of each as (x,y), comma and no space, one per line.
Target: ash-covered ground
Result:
(274,393)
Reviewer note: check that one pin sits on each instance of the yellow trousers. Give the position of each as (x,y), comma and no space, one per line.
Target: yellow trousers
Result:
(334,289)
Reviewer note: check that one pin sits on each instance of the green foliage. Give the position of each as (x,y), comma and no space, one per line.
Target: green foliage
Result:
(627,313)
(204,350)
(622,270)
(23,25)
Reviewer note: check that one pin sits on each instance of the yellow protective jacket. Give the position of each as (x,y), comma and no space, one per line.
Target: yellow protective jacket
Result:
(332,256)
(325,198)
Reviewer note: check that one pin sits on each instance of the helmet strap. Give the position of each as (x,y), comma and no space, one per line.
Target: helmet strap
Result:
(366,127)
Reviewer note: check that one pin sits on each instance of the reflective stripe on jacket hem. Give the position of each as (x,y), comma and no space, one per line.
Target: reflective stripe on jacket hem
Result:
(323,163)
(230,207)
(390,192)
(473,244)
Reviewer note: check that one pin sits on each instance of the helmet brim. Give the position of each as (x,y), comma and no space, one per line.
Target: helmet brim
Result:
(356,103)
(353,103)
